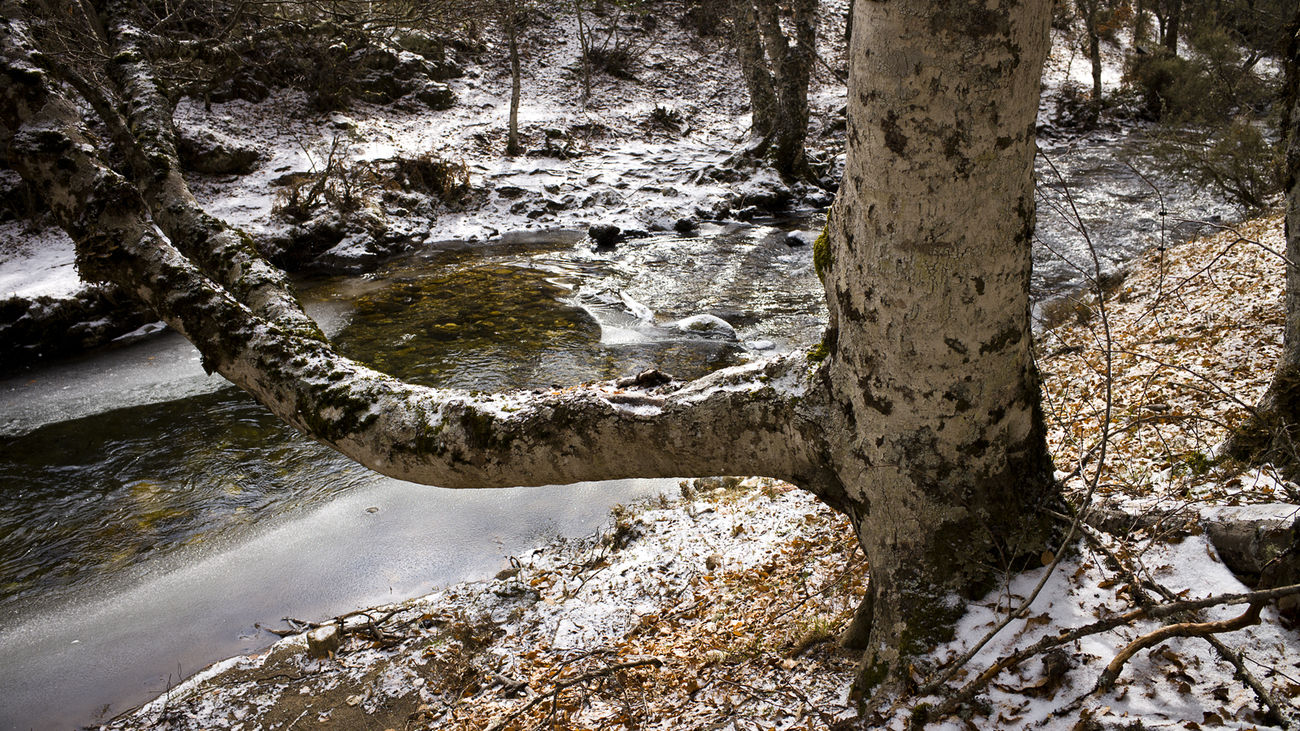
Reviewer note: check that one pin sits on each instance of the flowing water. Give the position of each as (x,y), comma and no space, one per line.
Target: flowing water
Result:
(151,516)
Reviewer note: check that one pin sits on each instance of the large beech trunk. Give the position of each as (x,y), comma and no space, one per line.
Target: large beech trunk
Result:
(936,433)
(918,417)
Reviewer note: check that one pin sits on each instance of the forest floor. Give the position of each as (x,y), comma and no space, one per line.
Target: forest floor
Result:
(720,608)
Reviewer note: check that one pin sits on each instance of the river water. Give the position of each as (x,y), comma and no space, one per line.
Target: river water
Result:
(151,516)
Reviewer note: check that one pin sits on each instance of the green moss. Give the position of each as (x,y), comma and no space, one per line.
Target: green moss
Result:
(822,257)
(869,677)
(821,351)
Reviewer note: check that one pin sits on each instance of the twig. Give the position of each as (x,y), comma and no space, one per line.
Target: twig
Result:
(1236,659)
(560,686)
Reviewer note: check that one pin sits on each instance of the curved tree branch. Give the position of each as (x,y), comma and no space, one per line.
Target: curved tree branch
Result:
(763,419)
(223,253)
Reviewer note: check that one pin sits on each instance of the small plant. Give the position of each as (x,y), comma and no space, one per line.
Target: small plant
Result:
(666,118)
(334,182)
(446,180)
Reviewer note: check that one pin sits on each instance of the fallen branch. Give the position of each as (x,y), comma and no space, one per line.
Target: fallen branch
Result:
(1182,629)
(1236,659)
(968,691)
(562,685)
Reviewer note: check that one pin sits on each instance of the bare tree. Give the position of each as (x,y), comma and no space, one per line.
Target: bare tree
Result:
(917,417)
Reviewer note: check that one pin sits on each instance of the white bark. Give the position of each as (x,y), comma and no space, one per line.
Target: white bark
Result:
(938,437)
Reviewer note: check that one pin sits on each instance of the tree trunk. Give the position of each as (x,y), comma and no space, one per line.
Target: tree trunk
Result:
(927,277)
(1170,28)
(794,68)
(1088,8)
(1272,434)
(754,69)
(776,73)
(1139,23)
(512,38)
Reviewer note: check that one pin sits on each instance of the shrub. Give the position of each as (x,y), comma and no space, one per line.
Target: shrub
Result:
(436,176)
(1237,161)
(1172,88)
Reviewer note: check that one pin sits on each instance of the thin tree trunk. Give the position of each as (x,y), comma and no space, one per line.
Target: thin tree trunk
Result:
(1139,23)
(754,69)
(512,36)
(1171,27)
(1272,435)
(1089,8)
(794,69)
(927,276)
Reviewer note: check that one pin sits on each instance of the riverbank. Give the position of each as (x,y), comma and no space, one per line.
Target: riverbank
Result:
(718,609)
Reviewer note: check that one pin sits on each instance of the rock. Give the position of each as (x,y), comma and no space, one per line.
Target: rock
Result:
(208,151)
(748,213)
(322,641)
(765,190)
(760,345)
(710,325)
(39,328)
(799,238)
(686,226)
(604,235)
(645,379)
(342,122)
(241,86)
(436,95)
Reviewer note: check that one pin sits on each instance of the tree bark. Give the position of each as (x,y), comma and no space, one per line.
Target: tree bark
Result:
(777,73)
(1272,434)
(1088,9)
(1170,25)
(228,256)
(927,277)
(754,69)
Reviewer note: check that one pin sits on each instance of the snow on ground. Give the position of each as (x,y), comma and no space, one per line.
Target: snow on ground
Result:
(36,262)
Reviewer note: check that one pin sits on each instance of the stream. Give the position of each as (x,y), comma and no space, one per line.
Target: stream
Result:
(152,516)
